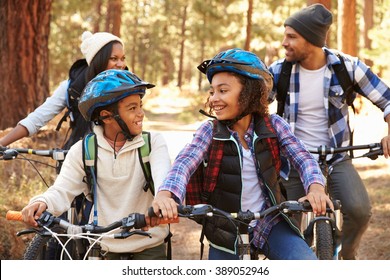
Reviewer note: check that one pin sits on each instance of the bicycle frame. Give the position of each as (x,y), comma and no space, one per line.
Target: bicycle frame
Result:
(334,220)
(129,226)
(71,215)
(204,210)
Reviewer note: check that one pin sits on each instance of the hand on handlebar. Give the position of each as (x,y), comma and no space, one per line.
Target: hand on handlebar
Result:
(32,212)
(318,199)
(164,207)
(386,146)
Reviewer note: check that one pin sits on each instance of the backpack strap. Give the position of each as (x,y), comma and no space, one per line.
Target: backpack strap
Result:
(341,74)
(90,153)
(282,86)
(345,81)
(347,84)
(143,155)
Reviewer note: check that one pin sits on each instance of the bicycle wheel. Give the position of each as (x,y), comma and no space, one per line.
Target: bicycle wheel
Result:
(48,248)
(324,240)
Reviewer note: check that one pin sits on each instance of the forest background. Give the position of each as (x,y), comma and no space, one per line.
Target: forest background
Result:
(164,41)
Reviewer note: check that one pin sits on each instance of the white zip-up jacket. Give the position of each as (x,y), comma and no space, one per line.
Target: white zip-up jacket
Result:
(120,187)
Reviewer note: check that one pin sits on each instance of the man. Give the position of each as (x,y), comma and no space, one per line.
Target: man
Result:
(317,111)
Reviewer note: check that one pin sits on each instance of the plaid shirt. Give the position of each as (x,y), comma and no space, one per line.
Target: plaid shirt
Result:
(192,155)
(366,83)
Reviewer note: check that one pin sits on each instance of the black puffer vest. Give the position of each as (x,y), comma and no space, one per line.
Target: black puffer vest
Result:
(227,193)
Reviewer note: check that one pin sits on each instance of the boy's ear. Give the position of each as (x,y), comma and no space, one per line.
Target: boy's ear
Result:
(106,116)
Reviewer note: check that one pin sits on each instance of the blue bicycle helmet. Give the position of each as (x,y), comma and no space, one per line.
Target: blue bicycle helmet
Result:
(239,61)
(109,87)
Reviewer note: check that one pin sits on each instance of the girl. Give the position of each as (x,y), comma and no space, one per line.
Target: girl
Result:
(243,146)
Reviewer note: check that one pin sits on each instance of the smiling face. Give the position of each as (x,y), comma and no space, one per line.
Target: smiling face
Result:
(296,47)
(117,59)
(224,92)
(131,112)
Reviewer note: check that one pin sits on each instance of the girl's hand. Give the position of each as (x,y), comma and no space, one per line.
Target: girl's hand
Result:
(164,207)
(318,199)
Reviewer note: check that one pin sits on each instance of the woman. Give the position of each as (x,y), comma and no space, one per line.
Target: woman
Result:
(102,51)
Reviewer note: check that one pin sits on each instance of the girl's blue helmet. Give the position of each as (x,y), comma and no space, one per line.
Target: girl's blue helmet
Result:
(109,87)
(239,61)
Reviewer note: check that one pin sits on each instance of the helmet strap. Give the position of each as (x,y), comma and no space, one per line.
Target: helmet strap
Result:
(125,130)
(233,121)
(225,122)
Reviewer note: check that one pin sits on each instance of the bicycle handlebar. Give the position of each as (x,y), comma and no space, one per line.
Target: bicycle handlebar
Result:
(206,210)
(132,221)
(375,150)
(11,153)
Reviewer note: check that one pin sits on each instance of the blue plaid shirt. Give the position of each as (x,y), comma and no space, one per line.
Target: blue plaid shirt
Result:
(366,83)
(192,155)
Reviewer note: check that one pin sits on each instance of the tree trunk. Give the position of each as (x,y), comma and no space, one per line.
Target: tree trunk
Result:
(326,3)
(98,16)
(24,81)
(133,53)
(182,41)
(346,35)
(114,17)
(248,25)
(368,13)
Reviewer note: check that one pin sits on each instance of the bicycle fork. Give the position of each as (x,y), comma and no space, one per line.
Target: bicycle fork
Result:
(309,220)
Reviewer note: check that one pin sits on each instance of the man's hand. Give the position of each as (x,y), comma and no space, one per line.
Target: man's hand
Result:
(386,140)
(386,146)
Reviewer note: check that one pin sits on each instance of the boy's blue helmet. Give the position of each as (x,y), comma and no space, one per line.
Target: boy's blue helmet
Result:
(239,61)
(109,87)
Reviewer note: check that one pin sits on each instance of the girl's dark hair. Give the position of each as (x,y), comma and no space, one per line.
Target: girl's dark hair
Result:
(253,97)
(100,61)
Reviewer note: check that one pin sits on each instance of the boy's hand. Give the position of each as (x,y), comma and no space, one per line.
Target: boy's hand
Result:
(32,212)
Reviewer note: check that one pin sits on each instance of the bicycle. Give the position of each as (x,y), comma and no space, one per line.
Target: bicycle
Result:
(196,212)
(323,233)
(65,232)
(44,248)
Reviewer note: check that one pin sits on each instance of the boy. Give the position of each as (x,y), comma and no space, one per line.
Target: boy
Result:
(113,101)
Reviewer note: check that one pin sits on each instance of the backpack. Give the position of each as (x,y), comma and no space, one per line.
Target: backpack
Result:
(341,74)
(78,125)
(90,160)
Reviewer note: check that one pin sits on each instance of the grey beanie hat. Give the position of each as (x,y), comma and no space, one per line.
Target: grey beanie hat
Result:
(312,23)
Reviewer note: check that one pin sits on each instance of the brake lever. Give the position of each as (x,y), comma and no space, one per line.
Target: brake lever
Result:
(27,231)
(9,154)
(126,234)
(196,210)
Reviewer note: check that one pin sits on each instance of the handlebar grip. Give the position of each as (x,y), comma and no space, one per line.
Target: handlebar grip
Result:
(162,221)
(14,216)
